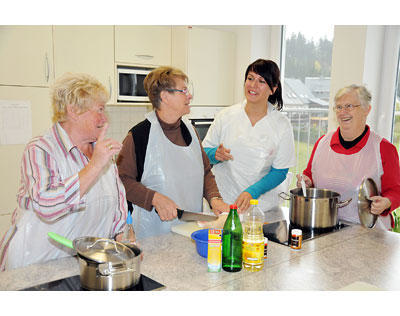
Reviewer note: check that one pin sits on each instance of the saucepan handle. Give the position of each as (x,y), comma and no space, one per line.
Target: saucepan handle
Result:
(284,196)
(344,203)
(60,239)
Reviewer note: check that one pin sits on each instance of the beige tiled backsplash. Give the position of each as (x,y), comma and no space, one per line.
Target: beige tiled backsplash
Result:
(122,119)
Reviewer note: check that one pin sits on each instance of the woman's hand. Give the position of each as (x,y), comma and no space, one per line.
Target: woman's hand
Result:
(218,206)
(379,204)
(165,207)
(223,154)
(105,149)
(307,180)
(243,201)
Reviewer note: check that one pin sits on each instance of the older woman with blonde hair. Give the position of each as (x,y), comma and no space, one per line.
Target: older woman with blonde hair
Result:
(342,159)
(69,182)
(162,163)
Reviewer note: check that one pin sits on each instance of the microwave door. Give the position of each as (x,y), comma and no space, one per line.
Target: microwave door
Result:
(126,84)
(131,87)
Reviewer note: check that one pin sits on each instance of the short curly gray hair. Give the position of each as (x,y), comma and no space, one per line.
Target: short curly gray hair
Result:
(363,94)
(77,89)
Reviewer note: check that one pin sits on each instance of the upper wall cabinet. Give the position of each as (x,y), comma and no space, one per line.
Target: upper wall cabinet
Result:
(88,49)
(143,45)
(26,55)
(208,57)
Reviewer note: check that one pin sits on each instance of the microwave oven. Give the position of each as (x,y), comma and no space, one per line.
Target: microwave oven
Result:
(130,84)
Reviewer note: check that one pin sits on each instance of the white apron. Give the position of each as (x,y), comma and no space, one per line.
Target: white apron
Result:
(172,170)
(94,218)
(345,173)
(254,149)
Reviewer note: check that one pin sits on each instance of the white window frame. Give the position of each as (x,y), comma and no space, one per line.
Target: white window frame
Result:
(385,103)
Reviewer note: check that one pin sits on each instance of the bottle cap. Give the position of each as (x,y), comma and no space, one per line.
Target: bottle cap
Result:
(129,218)
(297,232)
(233,206)
(253,202)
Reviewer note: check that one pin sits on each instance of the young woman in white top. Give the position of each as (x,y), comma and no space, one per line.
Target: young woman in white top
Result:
(251,143)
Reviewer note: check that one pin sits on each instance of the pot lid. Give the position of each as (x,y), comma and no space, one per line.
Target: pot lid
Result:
(103,250)
(367,189)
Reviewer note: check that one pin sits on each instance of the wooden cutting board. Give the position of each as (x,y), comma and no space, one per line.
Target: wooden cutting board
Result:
(185,229)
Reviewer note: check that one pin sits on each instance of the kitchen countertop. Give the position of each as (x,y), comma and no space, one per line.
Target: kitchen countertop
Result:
(340,260)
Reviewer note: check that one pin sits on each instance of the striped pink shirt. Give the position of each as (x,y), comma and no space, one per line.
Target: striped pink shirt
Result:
(50,187)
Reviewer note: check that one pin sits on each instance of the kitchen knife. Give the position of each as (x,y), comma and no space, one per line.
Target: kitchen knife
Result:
(191,216)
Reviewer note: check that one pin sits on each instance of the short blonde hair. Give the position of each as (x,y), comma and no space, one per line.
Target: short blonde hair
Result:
(77,89)
(363,94)
(161,79)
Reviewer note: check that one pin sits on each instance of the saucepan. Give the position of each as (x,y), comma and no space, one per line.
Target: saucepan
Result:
(317,210)
(104,264)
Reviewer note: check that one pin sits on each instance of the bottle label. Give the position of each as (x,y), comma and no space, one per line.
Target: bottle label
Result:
(265,249)
(253,252)
(296,241)
(214,250)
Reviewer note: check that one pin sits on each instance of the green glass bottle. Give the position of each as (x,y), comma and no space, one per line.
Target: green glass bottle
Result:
(232,242)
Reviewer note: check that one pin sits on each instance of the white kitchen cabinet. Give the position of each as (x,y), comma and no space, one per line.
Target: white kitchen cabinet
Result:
(208,58)
(26,55)
(143,45)
(88,49)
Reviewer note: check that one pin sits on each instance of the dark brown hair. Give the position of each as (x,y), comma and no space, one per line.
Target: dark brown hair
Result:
(271,74)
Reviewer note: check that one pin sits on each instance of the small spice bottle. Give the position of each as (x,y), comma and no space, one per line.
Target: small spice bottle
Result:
(297,238)
(265,247)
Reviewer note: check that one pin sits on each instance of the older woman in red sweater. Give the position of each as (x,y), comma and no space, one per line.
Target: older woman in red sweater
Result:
(342,159)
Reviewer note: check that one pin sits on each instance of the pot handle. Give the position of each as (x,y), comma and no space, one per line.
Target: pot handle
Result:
(285,197)
(344,203)
(107,270)
(60,239)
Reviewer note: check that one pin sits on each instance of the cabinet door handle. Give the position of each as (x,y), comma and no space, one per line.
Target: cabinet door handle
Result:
(144,56)
(47,73)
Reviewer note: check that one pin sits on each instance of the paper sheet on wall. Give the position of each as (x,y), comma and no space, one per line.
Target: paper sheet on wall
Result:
(15,122)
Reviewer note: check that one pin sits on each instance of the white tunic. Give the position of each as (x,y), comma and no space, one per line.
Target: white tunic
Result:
(255,149)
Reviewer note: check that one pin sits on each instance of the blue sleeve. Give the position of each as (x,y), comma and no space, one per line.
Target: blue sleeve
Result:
(210,151)
(271,180)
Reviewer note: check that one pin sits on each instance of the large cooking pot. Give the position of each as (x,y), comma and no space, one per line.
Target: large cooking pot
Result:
(104,264)
(317,210)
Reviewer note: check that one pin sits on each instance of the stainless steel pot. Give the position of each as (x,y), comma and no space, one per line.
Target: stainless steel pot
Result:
(318,210)
(109,276)
(104,264)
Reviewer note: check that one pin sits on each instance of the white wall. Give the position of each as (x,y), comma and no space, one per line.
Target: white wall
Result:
(367,55)
(253,42)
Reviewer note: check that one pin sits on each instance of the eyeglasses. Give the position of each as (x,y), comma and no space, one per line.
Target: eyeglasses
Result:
(184,91)
(188,90)
(347,107)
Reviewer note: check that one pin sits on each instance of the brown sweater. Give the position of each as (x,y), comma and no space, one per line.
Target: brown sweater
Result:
(136,192)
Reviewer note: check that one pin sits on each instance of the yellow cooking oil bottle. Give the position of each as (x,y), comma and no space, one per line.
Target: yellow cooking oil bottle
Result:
(253,238)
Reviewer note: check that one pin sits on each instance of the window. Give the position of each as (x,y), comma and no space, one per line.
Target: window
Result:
(306,83)
(396,123)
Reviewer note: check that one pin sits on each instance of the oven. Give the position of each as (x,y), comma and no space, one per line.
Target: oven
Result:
(202,118)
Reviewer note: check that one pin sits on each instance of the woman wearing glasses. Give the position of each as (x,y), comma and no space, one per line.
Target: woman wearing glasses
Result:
(341,159)
(251,143)
(162,163)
